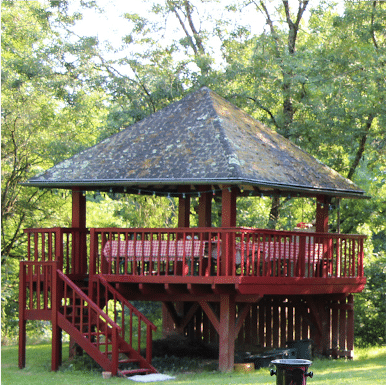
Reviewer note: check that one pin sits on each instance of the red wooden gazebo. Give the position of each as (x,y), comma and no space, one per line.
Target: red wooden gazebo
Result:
(230,284)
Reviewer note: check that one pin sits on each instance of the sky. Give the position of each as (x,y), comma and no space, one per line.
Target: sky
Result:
(110,26)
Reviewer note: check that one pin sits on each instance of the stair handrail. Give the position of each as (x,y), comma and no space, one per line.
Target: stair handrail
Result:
(127,303)
(150,325)
(91,303)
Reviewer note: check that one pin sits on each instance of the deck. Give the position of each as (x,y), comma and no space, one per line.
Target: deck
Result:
(166,264)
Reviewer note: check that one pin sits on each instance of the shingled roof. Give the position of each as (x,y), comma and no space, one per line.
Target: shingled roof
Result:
(200,140)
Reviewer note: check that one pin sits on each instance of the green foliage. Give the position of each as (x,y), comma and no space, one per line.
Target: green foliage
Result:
(370,305)
(131,211)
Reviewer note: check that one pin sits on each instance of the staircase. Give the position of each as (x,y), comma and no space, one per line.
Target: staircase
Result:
(107,327)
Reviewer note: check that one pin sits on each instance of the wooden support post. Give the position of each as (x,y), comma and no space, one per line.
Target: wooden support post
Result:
(228,220)
(79,264)
(204,213)
(226,333)
(184,208)
(79,222)
(322,214)
(22,320)
(229,207)
(351,326)
(322,226)
(56,344)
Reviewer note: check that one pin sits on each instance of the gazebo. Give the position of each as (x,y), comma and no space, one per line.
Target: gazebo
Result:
(228,284)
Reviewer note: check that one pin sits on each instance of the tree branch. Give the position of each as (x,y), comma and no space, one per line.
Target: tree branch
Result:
(198,39)
(258,103)
(372,26)
(192,44)
(361,148)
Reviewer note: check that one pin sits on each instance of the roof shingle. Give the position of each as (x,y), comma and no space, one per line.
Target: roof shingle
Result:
(201,139)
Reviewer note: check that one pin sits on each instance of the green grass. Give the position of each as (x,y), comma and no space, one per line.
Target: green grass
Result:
(368,367)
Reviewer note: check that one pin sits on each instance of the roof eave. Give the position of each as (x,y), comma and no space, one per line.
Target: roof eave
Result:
(107,183)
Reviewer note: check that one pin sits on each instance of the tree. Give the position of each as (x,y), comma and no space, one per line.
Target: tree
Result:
(48,114)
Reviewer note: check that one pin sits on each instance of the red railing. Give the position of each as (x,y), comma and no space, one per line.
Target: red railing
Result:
(67,246)
(45,293)
(225,252)
(94,326)
(36,289)
(135,327)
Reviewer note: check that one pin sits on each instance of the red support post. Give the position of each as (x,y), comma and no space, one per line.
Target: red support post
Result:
(56,345)
(22,320)
(79,264)
(205,201)
(226,333)
(79,221)
(351,326)
(322,214)
(184,209)
(228,220)
(229,207)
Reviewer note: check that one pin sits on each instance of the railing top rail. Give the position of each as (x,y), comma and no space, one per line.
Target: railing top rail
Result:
(35,263)
(296,232)
(56,229)
(245,230)
(181,230)
(92,305)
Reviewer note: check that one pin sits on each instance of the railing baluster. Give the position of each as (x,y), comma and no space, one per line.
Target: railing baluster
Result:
(276,253)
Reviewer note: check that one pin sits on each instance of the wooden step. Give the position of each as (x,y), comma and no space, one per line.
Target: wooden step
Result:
(128,361)
(132,372)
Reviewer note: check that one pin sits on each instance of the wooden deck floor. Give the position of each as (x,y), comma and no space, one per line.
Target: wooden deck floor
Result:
(245,289)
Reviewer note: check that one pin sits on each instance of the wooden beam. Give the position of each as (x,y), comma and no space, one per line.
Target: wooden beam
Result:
(241,318)
(199,289)
(188,316)
(181,322)
(214,319)
(169,306)
(315,314)
(175,289)
(167,323)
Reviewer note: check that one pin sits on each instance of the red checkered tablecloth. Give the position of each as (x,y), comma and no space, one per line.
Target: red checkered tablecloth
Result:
(278,250)
(154,249)
(270,251)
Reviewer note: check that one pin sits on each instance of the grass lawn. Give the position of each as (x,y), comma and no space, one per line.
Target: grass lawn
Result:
(368,368)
